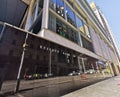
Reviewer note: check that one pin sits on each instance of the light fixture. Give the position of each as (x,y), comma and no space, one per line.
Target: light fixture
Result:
(44,47)
(57,51)
(41,46)
(58,12)
(52,50)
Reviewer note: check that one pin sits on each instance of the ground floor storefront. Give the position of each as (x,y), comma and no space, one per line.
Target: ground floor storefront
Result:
(31,63)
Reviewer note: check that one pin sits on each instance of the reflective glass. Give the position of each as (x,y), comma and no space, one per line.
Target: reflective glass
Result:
(70,2)
(87,30)
(60,28)
(70,16)
(79,24)
(60,7)
(53,4)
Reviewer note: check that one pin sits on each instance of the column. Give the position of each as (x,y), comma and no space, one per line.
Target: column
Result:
(45,15)
(29,21)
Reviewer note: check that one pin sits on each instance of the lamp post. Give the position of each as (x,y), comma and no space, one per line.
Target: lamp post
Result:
(21,64)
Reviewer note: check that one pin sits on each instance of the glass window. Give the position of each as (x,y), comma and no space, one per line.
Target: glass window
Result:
(73,35)
(33,14)
(66,32)
(87,30)
(76,38)
(60,28)
(87,44)
(53,4)
(60,8)
(52,22)
(79,24)
(70,16)
(70,2)
(35,26)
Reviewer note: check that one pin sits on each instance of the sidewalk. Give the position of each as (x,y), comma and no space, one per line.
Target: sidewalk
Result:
(107,88)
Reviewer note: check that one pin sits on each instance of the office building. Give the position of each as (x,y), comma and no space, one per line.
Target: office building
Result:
(54,38)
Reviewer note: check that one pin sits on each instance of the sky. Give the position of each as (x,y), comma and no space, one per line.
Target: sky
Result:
(111,10)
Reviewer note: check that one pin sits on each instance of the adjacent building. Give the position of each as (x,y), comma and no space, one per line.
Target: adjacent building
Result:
(105,25)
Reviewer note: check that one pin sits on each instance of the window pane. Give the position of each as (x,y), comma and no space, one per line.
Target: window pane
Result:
(70,2)
(66,32)
(52,22)
(53,4)
(60,28)
(87,44)
(87,30)
(60,7)
(79,24)
(73,36)
(70,16)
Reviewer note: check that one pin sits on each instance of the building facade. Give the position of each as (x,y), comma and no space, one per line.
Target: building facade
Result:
(108,31)
(54,38)
(70,23)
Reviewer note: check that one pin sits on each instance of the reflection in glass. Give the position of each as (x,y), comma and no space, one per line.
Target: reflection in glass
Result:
(87,44)
(70,16)
(87,30)
(60,28)
(79,24)
(53,4)
(66,31)
(52,22)
(58,6)
(70,2)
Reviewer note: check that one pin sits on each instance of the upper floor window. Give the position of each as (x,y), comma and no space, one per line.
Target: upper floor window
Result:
(79,24)
(87,44)
(65,31)
(70,16)
(58,6)
(70,2)
(87,30)
(53,4)
(60,28)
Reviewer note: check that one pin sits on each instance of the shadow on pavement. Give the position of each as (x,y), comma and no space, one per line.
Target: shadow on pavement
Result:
(7,94)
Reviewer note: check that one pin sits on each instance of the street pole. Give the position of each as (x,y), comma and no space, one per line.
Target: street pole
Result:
(50,54)
(79,63)
(83,65)
(21,64)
